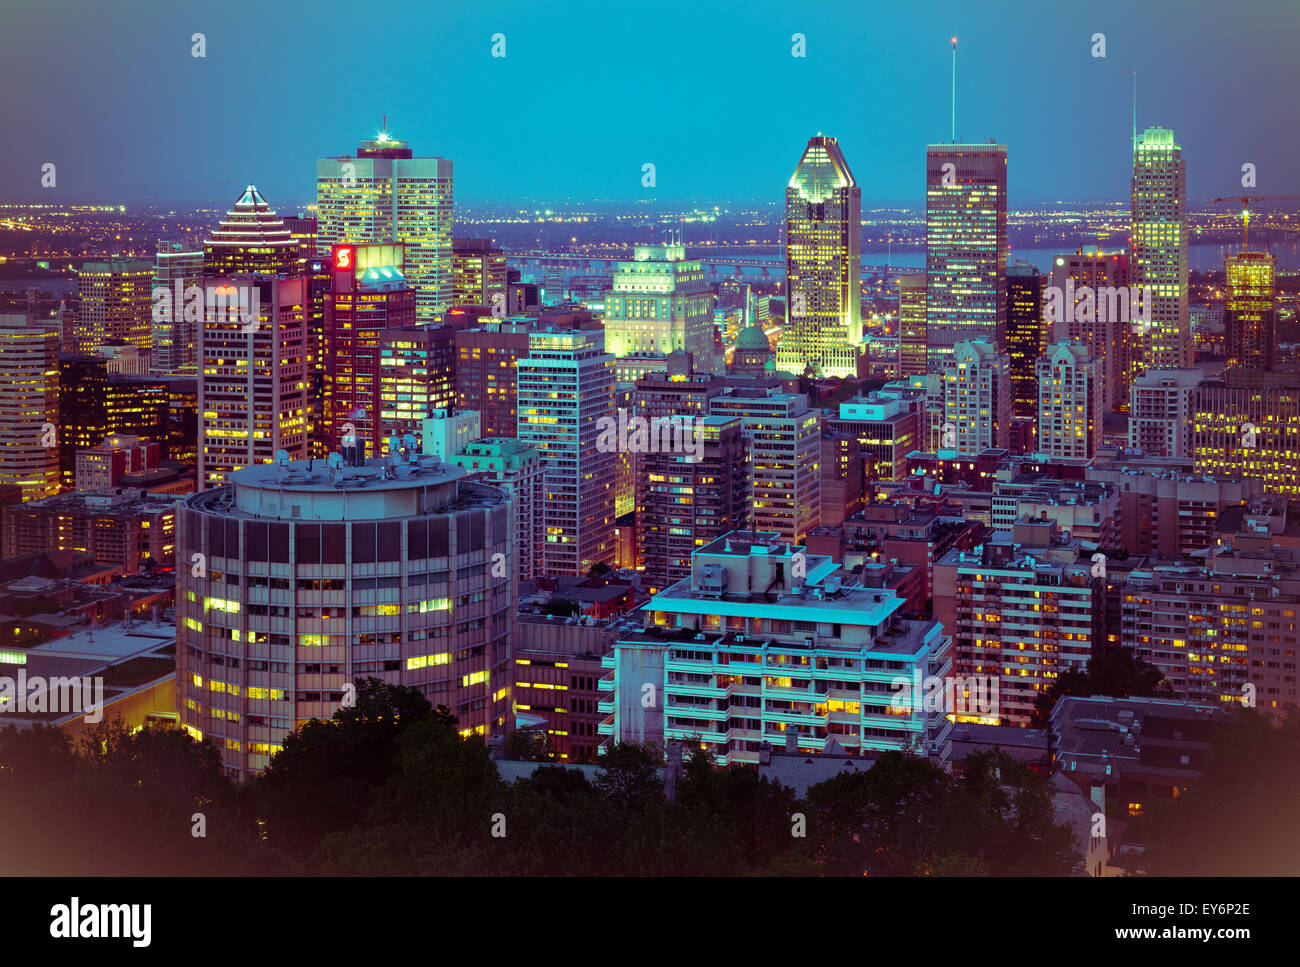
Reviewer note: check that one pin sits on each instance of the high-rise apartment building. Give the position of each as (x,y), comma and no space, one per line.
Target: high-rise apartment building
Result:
(385,194)
(94,404)
(1158,247)
(253,394)
(1250,316)
(317,577)
(1069,402)
(1221,630)
(485,372)
(175,331)
(686,499)
(823,265)
(785,451)
(565,390)
(1021,608)
(417,376)
(660,303)
(965,247)
(1160,411)
(116,303)
(29,407)
(975,387)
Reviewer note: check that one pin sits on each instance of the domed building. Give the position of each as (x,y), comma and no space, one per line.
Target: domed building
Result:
(754,355)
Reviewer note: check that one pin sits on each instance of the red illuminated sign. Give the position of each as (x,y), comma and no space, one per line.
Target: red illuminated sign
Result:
(344,257)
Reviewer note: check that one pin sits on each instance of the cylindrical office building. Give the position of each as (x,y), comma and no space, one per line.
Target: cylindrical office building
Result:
(299,578)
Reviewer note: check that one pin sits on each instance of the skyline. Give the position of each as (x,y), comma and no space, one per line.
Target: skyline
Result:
(749,98)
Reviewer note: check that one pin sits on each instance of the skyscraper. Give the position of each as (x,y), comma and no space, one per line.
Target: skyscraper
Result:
(368,295)
(1250,317)
(686,501)
(660,303)
(116,303)
(1090,302)
(565,387)
(1025,341)
(785,451)
(823,265)
(253,396)
(385,194)
(911,325)
(478,273)
(1158,247)
(175,334)
(965,247)
(29,407)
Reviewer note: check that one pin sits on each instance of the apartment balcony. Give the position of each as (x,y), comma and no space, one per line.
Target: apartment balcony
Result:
(795,718)
(695,712)
(606,725)
(699,689)
(605,684)
(689,666)
(696,735)
(606,703)
(906,722)
(844,694)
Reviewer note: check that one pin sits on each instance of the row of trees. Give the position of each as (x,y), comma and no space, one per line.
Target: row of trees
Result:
(389,787)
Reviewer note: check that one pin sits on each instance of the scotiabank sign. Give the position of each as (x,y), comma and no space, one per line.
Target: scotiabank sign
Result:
(345,258)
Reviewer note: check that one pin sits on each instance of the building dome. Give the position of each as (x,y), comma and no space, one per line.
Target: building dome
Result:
(752,339)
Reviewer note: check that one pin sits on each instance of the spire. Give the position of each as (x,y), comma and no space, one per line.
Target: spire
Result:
(1135,113)
(954,90)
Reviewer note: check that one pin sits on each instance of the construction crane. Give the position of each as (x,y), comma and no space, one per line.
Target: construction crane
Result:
(1245,210)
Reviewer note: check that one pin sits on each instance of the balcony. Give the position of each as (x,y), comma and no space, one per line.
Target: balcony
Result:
(699,689)
(695,712)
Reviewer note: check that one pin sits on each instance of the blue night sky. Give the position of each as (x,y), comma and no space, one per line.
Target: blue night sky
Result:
(590,91)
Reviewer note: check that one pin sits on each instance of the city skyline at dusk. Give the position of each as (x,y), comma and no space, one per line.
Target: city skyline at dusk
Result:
(692,441)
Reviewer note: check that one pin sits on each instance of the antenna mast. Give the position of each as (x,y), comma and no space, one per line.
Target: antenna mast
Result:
(1135,113)
(954,90)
